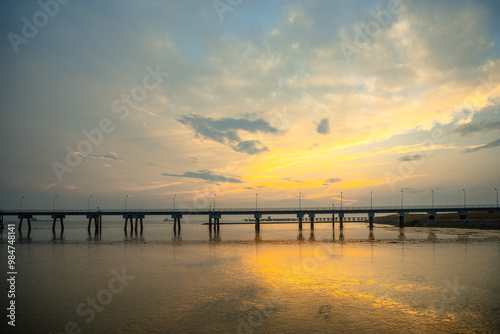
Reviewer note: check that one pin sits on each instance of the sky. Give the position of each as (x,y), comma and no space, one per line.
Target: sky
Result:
(104,102)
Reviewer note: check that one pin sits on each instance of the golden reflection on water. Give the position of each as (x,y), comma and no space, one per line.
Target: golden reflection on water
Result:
(345,275)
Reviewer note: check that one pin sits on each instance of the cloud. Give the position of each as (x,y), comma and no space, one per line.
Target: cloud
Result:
(225,131)
(250,147)
(492,144)
(107,156)
(330,181)
(289,179)
(479,126)
(323,127)
(206,175)
(414,157)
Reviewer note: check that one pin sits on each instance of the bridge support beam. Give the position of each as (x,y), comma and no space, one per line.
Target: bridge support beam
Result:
(341,220)
(61,218)
(28,218)
(432,215)
(463,214)
(300,216)
(127,218)
(311,218)
(370,219)
(333,221)
(97,222)
(177,222)
(401,219)
(1,222)
(257,217)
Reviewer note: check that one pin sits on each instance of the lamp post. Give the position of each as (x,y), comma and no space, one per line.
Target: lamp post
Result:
(257,194)
(300,203)
(464,198)
(174,201)
(89,201)
(341,200)
(497,196)
(54,204)
(371,200)
(432,191)
(214,201)
(401,198)
(126,201)
(21,203)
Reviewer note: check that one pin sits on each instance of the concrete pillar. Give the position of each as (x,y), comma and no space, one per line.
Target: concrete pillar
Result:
(142,226)
(311,217)
(370,219)
(432,215)
(333,220)
(54,224)
(401,219)
(257,217)
(20,223)
(341,220)
(88,227)
(300,216)
(210,223)
(136,221)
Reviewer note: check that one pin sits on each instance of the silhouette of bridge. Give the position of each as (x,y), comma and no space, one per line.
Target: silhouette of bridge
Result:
(214,215)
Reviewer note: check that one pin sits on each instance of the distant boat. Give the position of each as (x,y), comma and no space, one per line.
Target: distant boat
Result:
(167,220)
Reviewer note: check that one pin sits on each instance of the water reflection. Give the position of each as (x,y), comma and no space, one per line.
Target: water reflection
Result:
(215,235)
(300,238)
(311,237)
(27,239)
(134,237)
(97,236)
(401,236)
(55,238)
(371,237)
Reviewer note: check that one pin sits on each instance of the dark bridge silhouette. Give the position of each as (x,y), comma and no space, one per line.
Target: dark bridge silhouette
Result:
(214,215)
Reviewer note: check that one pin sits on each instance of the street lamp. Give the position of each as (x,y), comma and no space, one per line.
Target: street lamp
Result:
(174,202)
(300,203)
(371,200)
(341,200)
(401,198)
(432,191)
(54,204)
(497,196)
(257,194)
(20,203)
(126,201)
(464,198)
(89,201)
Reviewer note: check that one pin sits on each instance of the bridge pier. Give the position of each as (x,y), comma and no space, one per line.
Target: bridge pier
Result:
(432,215)
(311,217)
(97,222)
(127,218)
(177,221)
(1,222)
(28,218)
(370,219)
(300,216)
(463,214)
(333,222)
(61,218)
(401,219)
(257,217)
(341,220)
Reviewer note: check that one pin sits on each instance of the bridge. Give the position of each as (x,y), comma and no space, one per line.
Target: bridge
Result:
(214,215)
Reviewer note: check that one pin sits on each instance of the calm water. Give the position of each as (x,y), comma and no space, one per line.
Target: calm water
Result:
(425,280)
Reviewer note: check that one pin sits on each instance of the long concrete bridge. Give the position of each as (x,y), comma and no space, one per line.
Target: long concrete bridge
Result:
(214,215)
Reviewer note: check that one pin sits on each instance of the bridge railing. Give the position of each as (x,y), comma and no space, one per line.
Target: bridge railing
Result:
(345,209)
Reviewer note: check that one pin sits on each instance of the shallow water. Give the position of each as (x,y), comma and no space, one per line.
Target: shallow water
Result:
(388,281)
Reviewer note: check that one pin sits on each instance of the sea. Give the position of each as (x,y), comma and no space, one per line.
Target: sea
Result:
(279,280)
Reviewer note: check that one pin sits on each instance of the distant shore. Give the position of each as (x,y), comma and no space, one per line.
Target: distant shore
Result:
(475,220)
